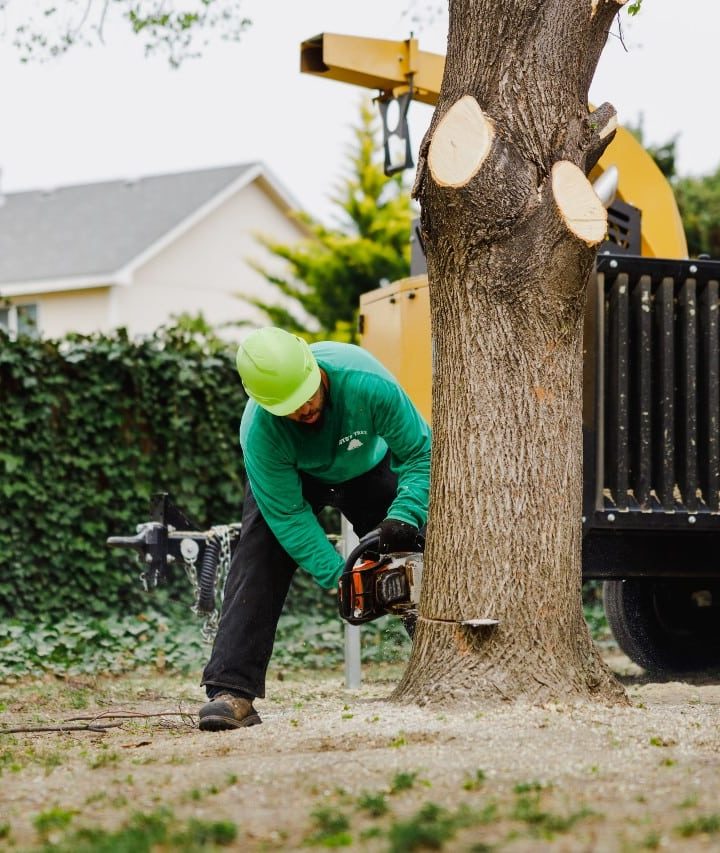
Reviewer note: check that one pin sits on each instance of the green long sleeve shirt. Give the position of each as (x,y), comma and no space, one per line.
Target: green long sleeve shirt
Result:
(366,412)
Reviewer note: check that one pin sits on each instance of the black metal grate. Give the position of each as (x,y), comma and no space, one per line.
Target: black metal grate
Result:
(623,229)
(658,385)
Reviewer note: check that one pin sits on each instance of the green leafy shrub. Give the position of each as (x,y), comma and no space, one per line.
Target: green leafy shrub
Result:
(595,613)
(78,645)
(91,428)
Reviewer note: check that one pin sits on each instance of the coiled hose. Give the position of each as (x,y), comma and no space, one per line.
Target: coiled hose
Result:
(207,576)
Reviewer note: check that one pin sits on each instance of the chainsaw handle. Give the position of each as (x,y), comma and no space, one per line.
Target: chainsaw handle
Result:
(369,542)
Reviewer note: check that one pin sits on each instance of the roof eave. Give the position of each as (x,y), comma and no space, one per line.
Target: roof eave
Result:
(56,285)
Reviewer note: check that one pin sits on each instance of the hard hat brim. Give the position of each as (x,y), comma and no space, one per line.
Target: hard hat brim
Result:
(299,397)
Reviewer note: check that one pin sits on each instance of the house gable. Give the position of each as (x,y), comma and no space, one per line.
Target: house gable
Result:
(77,237)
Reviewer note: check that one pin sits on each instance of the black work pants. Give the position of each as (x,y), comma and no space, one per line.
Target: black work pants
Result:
(261,571)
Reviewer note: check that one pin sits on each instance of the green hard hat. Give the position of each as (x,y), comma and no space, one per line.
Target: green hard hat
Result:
(277,370)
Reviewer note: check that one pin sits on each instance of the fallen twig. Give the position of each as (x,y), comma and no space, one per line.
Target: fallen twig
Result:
(130,715)
(100,727)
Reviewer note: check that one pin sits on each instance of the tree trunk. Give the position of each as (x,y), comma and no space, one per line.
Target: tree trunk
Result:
(511,225)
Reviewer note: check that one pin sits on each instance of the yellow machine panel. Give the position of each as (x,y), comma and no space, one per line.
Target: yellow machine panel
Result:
(395,328)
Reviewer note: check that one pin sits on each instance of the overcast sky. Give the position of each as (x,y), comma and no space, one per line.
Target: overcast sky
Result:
(109,112)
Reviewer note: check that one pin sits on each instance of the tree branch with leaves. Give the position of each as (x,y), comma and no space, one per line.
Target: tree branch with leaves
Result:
(179,29)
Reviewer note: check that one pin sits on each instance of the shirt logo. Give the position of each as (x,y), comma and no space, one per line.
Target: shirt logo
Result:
(352,441)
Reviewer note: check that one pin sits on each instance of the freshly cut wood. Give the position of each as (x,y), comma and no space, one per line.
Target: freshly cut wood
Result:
(611,126)
(460,143)
(580,208)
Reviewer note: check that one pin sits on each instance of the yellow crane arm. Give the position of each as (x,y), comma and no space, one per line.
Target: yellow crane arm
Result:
(381,64)
(393,66)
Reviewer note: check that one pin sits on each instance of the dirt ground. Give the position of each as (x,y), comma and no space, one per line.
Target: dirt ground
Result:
(332,767)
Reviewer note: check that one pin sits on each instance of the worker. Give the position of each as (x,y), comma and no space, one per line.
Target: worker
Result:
(325,425)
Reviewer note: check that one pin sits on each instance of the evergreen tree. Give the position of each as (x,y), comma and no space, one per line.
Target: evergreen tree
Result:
(699,202)
(370,244)
(698,196)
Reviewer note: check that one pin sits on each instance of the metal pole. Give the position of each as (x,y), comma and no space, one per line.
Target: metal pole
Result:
(353,674)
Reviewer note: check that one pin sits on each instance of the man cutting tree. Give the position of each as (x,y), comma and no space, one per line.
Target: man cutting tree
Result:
(325,425)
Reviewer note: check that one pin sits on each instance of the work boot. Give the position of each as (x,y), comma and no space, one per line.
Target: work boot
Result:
(226,711)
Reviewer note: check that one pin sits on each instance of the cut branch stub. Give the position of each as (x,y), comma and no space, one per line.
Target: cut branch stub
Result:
(595,3)
(610,127)
(602,124)
(460,143)
(580,208)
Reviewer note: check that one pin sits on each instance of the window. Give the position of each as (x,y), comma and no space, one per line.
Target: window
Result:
(26,320)
(20,320)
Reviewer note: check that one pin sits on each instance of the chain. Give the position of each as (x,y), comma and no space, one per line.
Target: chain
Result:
(223,562)
(212,619)
(210,625)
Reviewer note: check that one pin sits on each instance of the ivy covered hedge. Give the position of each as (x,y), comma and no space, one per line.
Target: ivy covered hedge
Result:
(91,427)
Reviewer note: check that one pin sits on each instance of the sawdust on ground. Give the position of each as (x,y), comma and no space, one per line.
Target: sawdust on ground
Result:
(511,778)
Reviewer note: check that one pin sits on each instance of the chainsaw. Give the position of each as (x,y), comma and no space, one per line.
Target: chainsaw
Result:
(374,584)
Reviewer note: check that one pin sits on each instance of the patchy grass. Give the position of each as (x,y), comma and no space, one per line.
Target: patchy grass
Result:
(156,783)
(330,828)
(701,825)
(542,823)
(403,781)
(475,782)
(142,833)
(375,805)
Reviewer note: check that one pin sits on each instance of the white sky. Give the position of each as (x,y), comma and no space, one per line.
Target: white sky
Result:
(109,112)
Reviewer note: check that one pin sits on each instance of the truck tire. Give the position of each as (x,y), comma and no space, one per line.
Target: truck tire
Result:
(666,626)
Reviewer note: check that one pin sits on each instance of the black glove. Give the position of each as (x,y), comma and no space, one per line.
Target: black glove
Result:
(397,536)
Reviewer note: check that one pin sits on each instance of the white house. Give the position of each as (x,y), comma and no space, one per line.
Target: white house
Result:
(136,253)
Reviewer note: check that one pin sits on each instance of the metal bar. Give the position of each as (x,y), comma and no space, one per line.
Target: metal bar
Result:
(641,398)
(374,63)
(618,456)
(650,553)
(709,397)
(664,420)
(353,662)
(591,380)
(687,395)
(600,394)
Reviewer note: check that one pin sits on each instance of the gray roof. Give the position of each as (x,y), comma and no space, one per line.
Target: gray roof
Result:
(97,229)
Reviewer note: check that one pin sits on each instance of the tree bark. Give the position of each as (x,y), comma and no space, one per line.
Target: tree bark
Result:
(511,226)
